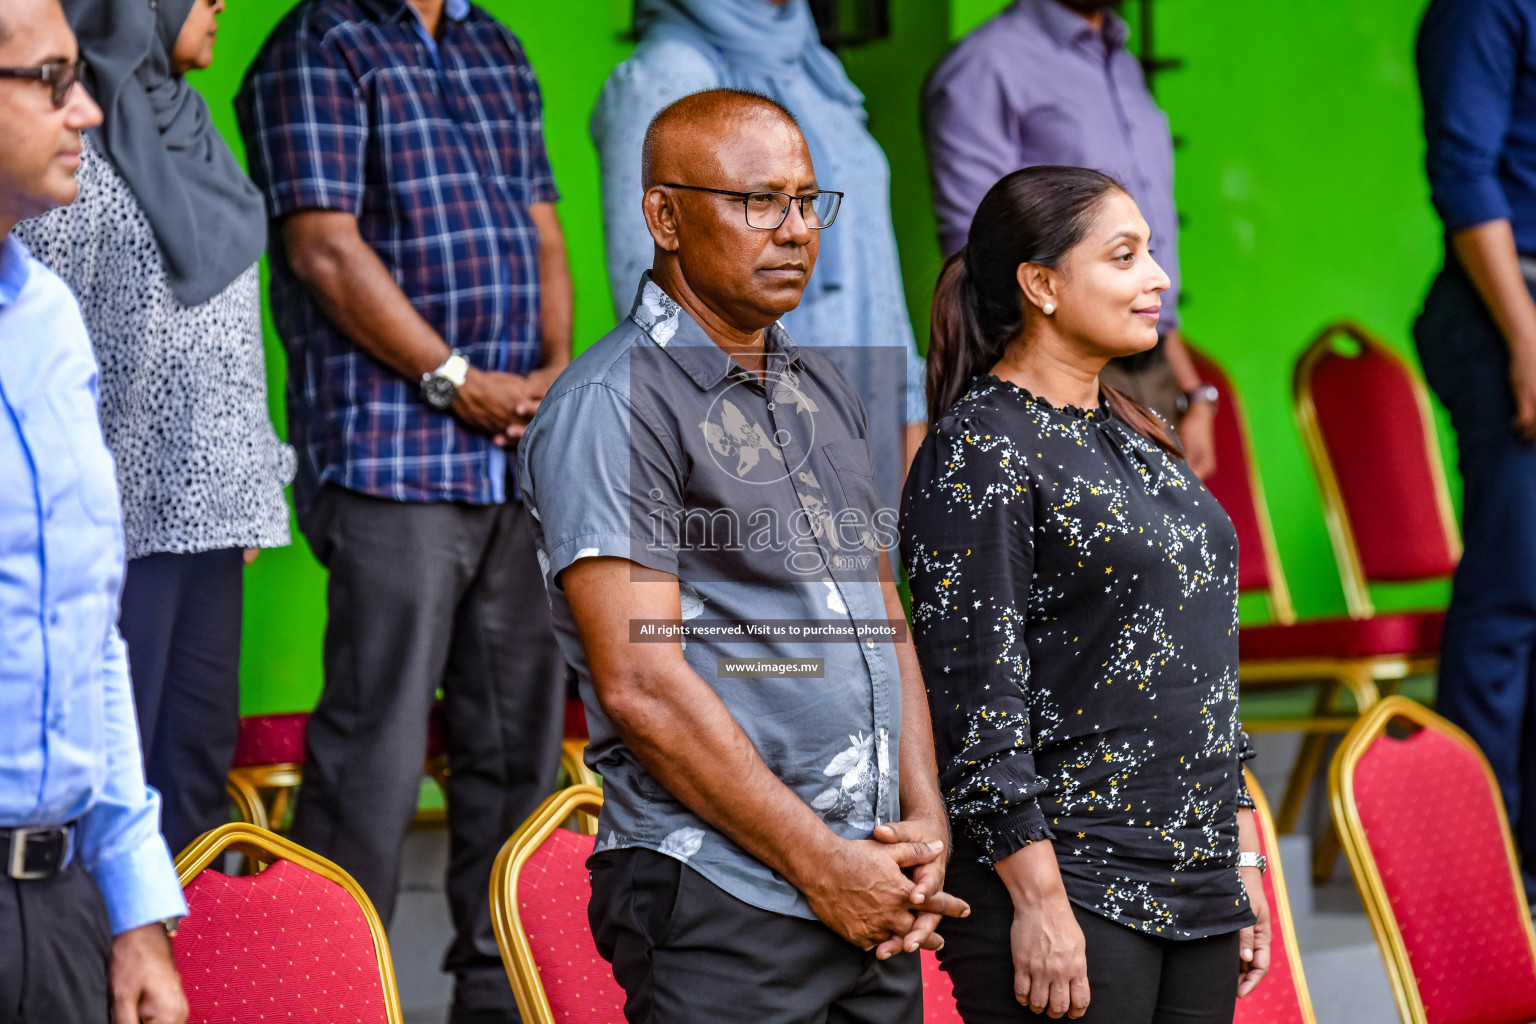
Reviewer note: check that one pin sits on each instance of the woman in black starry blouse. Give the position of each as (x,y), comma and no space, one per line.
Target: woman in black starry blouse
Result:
(1074,605)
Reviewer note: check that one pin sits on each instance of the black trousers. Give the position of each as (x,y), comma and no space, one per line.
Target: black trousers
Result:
(422,597)
(1132,978)
(55,943)
(181,620)
(686,951)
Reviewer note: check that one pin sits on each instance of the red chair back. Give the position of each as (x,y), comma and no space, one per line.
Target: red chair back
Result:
(539,896)
(1281,997)
(1237,487)
(1365,417)
(271,739)
(279,739)
(1424,827)
(553,892)
(938,993)
(287,943)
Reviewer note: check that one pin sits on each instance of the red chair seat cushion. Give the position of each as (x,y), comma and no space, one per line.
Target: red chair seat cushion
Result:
(271,739)
(1410,633)
(1432,823)
(553,891)
(938,992)
(285,944)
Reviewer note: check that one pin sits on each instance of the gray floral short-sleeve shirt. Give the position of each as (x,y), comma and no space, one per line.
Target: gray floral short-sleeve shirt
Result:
(655,446)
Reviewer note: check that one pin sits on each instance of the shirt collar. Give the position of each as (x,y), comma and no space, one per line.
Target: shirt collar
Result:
(1066,26)
(672,329)
(15,269)
(456,10)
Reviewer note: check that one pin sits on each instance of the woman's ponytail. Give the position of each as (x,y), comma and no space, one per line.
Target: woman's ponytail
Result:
(1142,420)
(958,348)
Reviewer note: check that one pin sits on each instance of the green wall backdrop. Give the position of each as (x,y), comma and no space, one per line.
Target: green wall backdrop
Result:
(1299,179)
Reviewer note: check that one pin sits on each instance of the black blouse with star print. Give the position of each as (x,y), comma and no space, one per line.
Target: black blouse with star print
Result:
(1074,607)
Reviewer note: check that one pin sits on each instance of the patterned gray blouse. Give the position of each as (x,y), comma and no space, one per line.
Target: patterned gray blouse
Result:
(1074,606)
(183,389)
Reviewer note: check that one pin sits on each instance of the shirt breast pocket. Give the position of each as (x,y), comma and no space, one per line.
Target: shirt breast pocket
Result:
(860,522)
(95,477)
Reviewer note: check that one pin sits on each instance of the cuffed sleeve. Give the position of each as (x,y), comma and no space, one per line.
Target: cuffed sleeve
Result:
(627,500)
(969,551)
(1468,60)
(119,840)
(304,122)
(1245,753)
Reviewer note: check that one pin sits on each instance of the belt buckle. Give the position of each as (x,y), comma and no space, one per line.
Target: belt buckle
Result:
(18,866)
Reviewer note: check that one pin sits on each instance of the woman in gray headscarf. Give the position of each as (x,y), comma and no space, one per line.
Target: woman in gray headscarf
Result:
(161,249)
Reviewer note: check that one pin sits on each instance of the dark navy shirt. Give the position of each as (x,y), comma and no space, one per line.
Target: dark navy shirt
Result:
(1477,72)
(437,147)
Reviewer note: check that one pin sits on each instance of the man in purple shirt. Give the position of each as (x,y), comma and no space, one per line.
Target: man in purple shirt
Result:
(1051,82)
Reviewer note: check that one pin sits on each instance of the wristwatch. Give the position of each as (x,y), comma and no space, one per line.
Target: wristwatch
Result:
(171,925)
(1253,860)
(440,387)
(1201,393)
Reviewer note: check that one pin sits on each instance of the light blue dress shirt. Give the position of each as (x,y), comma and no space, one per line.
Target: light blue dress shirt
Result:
(69,745)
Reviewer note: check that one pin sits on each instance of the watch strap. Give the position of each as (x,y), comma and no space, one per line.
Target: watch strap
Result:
(455,369)
(1253,860)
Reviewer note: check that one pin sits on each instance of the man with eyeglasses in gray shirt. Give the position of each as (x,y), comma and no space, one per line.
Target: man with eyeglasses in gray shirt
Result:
(714,543)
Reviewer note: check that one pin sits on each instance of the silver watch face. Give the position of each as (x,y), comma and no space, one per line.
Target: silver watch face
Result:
(438,391)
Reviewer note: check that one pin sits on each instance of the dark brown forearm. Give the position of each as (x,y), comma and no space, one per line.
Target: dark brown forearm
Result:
(677,727)
(355,291)
(1185,373)
(556,293)
(1487,252)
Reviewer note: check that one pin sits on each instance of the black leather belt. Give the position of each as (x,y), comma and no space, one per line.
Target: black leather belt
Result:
(32,854)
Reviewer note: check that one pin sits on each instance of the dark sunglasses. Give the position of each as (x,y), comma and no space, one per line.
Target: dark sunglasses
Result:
(58,75)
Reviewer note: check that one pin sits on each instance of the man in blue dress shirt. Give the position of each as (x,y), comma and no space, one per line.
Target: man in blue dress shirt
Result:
(1477,341)
(87,888)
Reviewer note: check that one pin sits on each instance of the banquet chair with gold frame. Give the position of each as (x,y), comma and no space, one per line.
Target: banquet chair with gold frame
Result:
(1282,996)
(269,766)
(539,897)
(1334,658)
(1423,827)
(298,939)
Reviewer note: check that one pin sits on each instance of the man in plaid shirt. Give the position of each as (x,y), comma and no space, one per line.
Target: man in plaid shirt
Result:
(420,286)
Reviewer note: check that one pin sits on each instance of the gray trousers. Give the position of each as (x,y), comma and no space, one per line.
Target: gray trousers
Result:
(422,597)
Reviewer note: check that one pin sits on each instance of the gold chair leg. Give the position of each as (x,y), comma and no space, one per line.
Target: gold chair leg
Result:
(1304,769)
(1326,853)
(247,800)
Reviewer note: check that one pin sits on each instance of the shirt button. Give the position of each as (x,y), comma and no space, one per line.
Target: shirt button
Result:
(53,618)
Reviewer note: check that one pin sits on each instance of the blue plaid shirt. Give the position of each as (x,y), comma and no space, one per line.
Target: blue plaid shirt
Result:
(437,147)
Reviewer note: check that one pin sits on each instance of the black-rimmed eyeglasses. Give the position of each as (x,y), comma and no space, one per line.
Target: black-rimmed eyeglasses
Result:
(59,75)
(766,211)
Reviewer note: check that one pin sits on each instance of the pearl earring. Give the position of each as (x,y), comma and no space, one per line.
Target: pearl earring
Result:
(1048,308)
